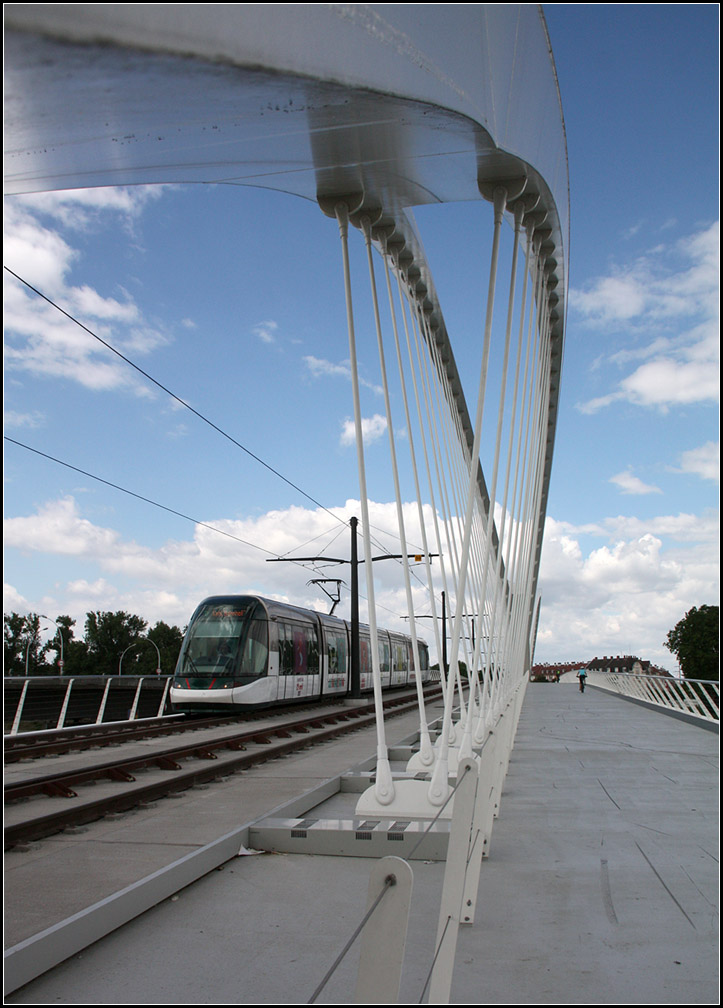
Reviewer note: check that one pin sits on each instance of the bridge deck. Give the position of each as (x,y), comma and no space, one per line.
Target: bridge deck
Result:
(601,885)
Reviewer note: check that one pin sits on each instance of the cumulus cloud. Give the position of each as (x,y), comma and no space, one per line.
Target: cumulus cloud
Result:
(42,340)
(623,596)
(266,331)
(668,301)
(320,368)
(80,209)
(14,419)
(703,461)
(373,428)
(616,587)
(630,484)
(125,575)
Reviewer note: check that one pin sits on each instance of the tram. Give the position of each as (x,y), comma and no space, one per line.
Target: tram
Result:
(244,652)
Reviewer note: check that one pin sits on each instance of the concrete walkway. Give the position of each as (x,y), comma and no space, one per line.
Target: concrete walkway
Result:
(600,888)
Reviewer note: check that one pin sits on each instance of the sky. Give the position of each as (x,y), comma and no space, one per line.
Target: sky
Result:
(231,298)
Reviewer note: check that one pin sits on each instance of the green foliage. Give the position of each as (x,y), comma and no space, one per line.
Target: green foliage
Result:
(22,650)
(13,644)
(694,640)
(109,637)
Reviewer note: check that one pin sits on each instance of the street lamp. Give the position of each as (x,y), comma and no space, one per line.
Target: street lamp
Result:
(120,663)
(30,643)
(61,663)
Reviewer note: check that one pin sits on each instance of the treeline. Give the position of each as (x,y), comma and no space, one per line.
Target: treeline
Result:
(112,641)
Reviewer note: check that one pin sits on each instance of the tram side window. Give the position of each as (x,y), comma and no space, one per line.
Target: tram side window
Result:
(286,649)
(312,651)
(298,649)
(365,659)
(384,657)
(337,655)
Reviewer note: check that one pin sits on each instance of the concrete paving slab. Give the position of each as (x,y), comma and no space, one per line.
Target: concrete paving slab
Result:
(601,888)
(50,880)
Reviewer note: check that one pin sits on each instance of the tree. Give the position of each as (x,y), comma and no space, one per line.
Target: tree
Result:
(58,644)
(22,648)
(143,659)
(14,644)
(694,641)
(76,657)
(168,640)
(108,635)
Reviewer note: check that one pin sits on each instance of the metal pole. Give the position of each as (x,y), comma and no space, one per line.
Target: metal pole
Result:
(60,637)
(444,637)
(355,657)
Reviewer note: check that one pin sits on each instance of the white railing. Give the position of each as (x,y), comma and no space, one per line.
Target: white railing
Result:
(699,698)
(47,700)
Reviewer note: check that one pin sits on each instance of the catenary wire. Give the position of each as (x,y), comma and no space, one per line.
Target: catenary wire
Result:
(173,395)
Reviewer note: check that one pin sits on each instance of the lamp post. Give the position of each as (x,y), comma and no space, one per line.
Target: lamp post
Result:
(139,641)
(30,644)
(61,663)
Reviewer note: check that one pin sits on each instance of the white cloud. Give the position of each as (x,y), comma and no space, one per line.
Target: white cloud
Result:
(79,209)
(619,594)
(58,528)
(13,601)
(703,461)
(630,484)
(373,428)
(320,368)
(622,597)
(266,331)
(41,339)
(670,297)
(124,575)
(14,419)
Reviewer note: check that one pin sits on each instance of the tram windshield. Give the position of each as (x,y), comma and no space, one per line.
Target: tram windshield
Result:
(226,645)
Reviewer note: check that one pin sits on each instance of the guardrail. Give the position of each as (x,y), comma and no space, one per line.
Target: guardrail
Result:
(697,698)
(51,702)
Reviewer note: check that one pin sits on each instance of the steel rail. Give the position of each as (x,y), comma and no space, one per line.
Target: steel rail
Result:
(63,782)
(310,731)
(63,740)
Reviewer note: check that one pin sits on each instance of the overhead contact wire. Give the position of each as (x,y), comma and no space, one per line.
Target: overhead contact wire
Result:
(173,395)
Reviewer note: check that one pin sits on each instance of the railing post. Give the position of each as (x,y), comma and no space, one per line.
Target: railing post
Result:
(384,938)
(163,698)
(480,836)
(66,701)
(694,697)
(19,711)
(455,871)
(101,709)
(134,708)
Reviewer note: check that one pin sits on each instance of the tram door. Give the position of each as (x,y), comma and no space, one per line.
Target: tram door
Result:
(299,674)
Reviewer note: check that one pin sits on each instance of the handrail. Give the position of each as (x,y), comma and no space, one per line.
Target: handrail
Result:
(31,705)
(697,698)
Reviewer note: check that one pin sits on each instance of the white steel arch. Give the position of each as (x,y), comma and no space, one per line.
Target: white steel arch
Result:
(368,110)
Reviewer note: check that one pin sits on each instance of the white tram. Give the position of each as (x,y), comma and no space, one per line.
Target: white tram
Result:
(244,651)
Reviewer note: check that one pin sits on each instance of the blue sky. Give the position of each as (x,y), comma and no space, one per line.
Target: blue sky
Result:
(232,298)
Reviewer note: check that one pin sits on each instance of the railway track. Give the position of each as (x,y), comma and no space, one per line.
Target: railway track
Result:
(35,745)
(171,768)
